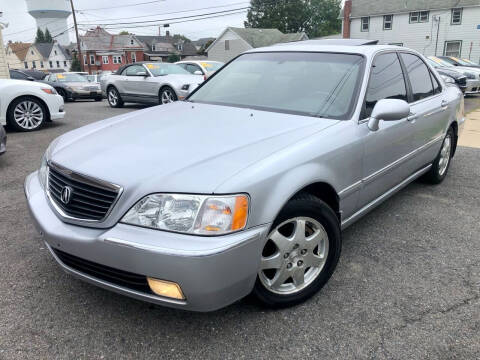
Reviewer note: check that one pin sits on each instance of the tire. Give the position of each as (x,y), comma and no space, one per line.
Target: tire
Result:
(167,95)
(63,94)
(26,114)
(289,255)
(438,171)
(114,98)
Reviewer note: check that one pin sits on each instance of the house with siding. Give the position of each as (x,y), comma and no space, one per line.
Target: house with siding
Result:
(4,73)
(234,41)
(159,48)
(439,27)
(16,53)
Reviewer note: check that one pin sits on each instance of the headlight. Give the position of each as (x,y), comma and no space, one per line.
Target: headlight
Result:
(448,79)
(186,87)
(470,75)
(50,91)
(190,214)
(43,171)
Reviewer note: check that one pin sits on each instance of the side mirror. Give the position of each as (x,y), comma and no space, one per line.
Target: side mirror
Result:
(388,110)
(30,78)
(142,73)
(197,72)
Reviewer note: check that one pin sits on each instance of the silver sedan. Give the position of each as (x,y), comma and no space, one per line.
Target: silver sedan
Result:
(149,83)
(247,185)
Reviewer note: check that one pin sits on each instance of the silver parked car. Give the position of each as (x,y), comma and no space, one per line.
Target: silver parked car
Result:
(3,140)
(247,185)
(149,83)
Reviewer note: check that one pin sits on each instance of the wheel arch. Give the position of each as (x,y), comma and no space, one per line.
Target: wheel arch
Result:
(40,100)
(454,126)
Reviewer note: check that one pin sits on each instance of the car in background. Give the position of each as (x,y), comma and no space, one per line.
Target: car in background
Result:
(30,75)
(206,68)
(3,140)
(247,185)
(470,63)
(28,105)
(73,86)
(459,62)
(450,75)
(472,74)
(149,83)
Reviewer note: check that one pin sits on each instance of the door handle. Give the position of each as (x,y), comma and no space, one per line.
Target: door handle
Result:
(444,104)
(412,117)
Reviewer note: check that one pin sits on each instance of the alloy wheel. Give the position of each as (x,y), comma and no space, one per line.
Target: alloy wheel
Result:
(113,97)
(28,115)
(445,155)
(167,96)
(294,255)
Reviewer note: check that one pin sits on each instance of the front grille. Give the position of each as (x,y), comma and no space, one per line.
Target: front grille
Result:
(90,199)
(118,277)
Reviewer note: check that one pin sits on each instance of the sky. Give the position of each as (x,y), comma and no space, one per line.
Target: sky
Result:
(22,27)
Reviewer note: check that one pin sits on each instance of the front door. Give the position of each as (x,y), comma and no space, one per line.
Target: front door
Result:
(385,150)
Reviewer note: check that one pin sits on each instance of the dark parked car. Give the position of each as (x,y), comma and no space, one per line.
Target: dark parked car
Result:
(31,75)
(458,77)
(72,86)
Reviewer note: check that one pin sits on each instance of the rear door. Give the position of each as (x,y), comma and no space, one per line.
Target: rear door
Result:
(429,107)
(385,153)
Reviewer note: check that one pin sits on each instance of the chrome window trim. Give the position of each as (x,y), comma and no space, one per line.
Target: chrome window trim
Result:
(89,180)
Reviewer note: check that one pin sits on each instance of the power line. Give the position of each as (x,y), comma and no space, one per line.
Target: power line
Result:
(167,13)
(121,6)
(169,19)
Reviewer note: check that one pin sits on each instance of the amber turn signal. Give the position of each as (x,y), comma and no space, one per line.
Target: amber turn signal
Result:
(166,288)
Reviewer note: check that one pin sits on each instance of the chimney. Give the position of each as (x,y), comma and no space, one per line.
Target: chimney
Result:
(347,10)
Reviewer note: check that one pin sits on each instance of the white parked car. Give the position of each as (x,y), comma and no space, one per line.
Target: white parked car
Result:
(27,105)
(206,67)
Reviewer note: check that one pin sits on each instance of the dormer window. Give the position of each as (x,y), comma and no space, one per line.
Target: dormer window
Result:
(131,41)
(153,47)
(180,47)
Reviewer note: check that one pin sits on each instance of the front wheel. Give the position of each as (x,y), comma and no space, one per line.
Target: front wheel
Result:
(26,114)
(440,166)
(301,252)
(113,97)
(167,95)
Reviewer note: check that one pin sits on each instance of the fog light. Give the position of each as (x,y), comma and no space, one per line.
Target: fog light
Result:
(166,288)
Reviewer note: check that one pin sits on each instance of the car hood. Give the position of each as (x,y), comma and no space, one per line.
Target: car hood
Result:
(180,147)
(452,73)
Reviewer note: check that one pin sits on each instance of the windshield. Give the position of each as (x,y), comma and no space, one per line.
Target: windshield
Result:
(314,84)
(440,62)
(71,78)
(159,69)
(461,61)
(211,66)
(90,78)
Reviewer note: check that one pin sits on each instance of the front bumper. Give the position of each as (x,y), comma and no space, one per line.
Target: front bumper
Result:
(3,140)
(85,94)
(473,86)
(213,273)
(56,107)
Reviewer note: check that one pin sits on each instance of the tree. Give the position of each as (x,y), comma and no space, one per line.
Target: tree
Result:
(173,58)
(314,17)
(40,38)
(123,33)
(203,49)
(75,64)
(48,36)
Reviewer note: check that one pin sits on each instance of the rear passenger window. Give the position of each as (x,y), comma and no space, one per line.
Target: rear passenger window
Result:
(386,81)
(419,76)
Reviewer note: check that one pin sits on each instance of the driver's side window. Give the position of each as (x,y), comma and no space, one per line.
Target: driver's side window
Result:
(134,70)
(386,81)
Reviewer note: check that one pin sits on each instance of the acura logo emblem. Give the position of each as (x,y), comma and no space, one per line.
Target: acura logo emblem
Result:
(66,194)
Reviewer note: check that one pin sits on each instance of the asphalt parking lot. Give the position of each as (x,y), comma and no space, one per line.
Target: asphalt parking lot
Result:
(407,285)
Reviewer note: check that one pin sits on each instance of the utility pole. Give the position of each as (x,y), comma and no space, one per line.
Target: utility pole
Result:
(80,58)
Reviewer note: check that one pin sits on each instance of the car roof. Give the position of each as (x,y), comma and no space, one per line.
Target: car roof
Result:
(323,46)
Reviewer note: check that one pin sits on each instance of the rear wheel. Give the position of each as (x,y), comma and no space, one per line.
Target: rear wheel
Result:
(114,98)
(167,95)
(301,252)
(440,166)
(26,114)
